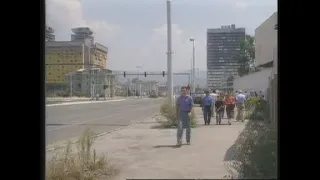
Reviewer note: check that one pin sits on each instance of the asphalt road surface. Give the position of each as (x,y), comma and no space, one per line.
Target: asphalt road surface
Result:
(69,121)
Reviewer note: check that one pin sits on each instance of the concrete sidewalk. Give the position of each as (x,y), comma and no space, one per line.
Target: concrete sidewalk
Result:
(142,152)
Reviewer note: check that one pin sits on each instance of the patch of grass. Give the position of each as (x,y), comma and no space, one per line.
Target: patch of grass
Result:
(167,118)
(84,164)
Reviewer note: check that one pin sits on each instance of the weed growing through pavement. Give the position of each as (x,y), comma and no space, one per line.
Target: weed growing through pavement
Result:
(84,164)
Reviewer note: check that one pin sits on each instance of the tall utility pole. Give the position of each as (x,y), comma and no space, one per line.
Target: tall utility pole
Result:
(193,65)
(169,54)
(190,76)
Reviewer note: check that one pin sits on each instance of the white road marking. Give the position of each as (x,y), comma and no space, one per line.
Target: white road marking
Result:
(83,102)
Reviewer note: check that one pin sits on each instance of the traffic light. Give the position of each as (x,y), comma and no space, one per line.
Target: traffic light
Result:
(124,74)
(145,74)
(163,73)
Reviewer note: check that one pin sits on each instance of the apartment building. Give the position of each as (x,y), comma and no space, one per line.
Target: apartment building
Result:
(223,44)
(99,56)
(63,57)
(98,52)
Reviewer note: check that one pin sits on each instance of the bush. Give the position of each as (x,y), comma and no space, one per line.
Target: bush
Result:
(83,165)
(256,109)
(256,151)
(168,113)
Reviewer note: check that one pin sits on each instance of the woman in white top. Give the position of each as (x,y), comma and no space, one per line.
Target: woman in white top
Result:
(213,95)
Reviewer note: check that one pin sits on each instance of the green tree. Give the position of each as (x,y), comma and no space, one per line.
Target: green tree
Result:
(246,57)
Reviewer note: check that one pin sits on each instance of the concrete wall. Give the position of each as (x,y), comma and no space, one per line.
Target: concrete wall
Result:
(258,81)
(266,38)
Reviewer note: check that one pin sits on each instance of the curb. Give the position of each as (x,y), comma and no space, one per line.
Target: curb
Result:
(96,136)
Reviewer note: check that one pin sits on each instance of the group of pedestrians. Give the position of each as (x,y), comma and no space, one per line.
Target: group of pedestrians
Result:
(212,104)
(217,104)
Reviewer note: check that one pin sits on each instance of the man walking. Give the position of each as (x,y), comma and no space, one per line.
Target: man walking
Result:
(240,100)
(184,106)
(206,105)
(219,107)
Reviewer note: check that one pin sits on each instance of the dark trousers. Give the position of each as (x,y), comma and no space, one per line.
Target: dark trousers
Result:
(207,114)
(230,110)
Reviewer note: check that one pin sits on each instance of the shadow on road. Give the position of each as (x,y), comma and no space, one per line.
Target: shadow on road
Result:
(166,146)
(146,122)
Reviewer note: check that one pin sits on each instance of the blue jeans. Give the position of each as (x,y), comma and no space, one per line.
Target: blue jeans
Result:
(207,114)
(184,122)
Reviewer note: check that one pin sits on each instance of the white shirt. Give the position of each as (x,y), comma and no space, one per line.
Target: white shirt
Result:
(240,99)
(213,96)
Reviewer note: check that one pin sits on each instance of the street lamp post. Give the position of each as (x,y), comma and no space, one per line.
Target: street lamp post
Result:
(193,64)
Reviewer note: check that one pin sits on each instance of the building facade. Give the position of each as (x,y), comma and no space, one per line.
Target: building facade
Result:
(223,44)
(99,55)
(266,58)
(91,82)
(49,34)
(266,41)
(63,57)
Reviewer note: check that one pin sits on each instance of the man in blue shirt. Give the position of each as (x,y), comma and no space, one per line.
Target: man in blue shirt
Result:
(184,106)
(206,107)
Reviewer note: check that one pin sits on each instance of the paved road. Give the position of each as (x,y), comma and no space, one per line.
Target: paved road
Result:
(65,122)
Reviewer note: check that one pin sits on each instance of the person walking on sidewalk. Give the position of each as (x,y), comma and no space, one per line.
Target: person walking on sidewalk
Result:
(219,105)
(206,106)
(230,104)
(184,106)
(213,95)
(223,95)
(240,100)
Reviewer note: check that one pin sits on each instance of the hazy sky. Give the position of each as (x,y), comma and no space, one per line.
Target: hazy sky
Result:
(135,30)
